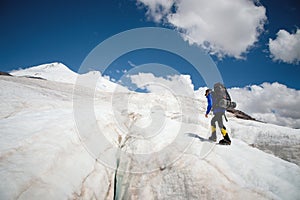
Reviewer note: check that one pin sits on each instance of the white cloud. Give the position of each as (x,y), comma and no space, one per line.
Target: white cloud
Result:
(222,27)
(176,84)
(131,63)
(272,103)
(157,9)
(286,47)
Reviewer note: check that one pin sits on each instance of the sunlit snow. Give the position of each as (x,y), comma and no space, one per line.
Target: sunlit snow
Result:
(44,156)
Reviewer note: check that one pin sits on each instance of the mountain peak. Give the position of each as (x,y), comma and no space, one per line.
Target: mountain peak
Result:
(55,71)
(59,72)
(55,66)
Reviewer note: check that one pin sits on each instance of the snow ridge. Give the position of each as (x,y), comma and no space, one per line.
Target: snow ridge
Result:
(59,72)
(52,71)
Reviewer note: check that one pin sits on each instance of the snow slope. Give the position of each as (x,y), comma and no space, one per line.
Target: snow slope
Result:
(52,71)
(60,73)
(42,155)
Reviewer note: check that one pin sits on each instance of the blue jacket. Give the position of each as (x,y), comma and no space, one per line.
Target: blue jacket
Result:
(210,101)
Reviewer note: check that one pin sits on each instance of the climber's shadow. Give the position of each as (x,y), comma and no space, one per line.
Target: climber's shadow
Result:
(197,136)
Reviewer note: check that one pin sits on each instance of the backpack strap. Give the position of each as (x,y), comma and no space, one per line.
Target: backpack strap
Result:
(225,117)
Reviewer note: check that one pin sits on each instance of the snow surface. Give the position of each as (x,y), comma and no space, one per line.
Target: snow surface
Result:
(42,155)
(52,71)
(60,73)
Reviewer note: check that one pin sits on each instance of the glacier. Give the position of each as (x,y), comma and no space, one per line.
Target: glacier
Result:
(44,156)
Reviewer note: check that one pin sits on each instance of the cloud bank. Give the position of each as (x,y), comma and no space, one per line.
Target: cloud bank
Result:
(272,103)
(176,84)
(224,28)
(286,47)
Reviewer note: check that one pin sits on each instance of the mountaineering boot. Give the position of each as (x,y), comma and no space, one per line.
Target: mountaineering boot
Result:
(213,136)
(226,140)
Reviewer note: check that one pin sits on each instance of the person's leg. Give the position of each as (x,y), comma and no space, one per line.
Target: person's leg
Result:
(225,134)
(213,136)
(226,138)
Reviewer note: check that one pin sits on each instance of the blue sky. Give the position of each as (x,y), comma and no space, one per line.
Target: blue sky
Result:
(38,32)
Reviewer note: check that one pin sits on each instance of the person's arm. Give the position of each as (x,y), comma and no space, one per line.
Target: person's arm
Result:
(209,105)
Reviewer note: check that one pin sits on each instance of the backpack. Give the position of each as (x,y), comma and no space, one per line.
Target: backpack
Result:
(221,97)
